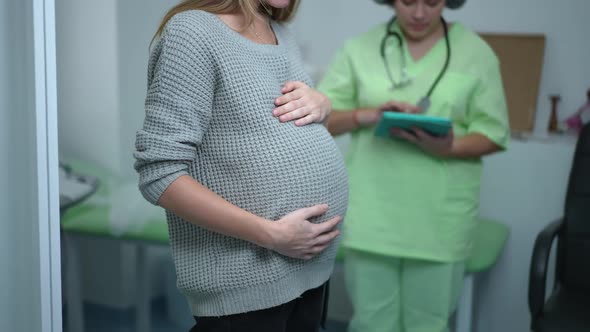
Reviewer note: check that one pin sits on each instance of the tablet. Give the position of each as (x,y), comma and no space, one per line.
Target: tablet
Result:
(435,126)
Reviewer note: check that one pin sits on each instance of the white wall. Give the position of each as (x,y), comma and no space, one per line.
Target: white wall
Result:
(88,86)
(20,300)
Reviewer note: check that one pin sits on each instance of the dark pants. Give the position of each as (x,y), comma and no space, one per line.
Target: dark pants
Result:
(303,314)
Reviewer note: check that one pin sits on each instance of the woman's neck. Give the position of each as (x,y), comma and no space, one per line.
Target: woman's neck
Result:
(258,31)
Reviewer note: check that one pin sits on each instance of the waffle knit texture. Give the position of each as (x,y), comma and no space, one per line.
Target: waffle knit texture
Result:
(208,115)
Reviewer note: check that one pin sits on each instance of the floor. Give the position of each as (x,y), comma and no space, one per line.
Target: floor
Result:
(103,319)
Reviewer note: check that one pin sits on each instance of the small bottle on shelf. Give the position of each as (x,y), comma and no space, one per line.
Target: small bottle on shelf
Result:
(553,122)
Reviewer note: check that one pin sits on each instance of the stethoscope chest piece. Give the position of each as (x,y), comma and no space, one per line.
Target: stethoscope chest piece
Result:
(424,104)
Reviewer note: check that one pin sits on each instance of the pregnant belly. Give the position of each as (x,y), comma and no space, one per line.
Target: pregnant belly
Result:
(273,175)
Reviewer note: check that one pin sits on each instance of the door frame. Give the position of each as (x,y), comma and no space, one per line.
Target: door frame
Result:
(47,163)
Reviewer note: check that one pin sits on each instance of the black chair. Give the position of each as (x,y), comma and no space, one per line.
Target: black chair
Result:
(568,306)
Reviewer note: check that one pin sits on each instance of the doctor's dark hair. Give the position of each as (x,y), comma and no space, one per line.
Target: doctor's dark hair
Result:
(249,7)
(451,4)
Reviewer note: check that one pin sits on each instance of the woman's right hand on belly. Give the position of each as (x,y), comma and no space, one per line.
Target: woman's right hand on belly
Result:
(294,236)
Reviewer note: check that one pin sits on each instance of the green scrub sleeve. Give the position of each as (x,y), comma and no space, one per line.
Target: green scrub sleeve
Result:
(488,114)
(339,84)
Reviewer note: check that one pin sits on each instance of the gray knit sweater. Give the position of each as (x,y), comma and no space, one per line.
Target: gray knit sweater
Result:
(208,115)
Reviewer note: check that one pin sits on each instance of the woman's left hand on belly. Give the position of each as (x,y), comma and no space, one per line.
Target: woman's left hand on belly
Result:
(301,103)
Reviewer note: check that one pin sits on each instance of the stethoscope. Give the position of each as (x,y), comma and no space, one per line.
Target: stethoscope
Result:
(424,102)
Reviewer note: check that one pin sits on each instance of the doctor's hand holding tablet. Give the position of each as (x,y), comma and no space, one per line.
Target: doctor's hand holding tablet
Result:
(405,121)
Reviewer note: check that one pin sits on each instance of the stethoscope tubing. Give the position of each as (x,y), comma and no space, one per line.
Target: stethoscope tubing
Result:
(391,33)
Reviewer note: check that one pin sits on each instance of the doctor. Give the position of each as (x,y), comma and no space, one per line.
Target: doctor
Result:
(413,198)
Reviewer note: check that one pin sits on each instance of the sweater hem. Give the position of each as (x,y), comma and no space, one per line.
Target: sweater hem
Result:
(262,296)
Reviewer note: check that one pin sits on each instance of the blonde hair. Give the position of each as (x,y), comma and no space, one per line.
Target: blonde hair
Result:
(248,7)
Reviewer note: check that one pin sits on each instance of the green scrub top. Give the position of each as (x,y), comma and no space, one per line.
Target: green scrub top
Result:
(403,201)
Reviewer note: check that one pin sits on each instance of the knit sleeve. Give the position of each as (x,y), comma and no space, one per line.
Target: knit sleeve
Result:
(177,108)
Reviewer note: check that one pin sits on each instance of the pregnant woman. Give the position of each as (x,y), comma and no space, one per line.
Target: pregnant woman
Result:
(233,147)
